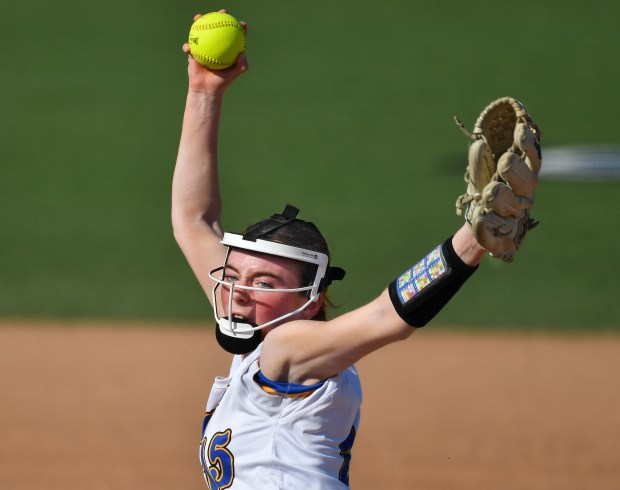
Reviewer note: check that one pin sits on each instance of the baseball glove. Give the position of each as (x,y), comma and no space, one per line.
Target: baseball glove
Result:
(502,174)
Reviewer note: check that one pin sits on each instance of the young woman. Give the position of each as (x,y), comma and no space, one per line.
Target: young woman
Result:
(287,414)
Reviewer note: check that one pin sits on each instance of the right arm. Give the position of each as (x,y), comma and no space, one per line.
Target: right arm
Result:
(196,200)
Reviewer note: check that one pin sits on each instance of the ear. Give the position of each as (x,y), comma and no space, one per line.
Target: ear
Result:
(313,308)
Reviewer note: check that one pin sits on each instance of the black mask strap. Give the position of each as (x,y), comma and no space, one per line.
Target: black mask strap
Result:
(276,221)
(332,274)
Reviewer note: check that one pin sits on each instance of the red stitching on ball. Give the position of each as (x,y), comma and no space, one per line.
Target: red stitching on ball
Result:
(215,25)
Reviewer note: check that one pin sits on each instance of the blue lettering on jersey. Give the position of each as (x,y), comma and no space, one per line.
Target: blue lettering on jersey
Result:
(218,463)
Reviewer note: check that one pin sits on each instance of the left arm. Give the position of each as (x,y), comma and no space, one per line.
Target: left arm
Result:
(306,352)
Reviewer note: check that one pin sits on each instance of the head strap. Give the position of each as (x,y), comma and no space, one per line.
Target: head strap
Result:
(276,221)
(332,274)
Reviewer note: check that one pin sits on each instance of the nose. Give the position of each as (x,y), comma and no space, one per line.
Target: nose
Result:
(240,296)
(235,301)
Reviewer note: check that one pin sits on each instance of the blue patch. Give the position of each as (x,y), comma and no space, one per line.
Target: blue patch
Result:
(411,282)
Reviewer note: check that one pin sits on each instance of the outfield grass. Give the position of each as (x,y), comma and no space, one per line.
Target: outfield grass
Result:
(346,112)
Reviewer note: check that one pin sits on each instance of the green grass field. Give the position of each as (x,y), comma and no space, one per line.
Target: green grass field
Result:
(346,112)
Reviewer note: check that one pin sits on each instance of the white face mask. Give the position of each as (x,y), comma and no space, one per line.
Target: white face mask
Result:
(242,337)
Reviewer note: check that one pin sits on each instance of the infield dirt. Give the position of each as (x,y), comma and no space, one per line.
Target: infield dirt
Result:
(92,406)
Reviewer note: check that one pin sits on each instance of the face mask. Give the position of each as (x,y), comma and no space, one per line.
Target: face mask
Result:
(243,337)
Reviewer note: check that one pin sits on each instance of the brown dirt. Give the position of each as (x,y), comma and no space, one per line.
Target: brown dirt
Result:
(120,407)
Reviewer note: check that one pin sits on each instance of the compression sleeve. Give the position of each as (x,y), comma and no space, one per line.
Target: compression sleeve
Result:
(420,292)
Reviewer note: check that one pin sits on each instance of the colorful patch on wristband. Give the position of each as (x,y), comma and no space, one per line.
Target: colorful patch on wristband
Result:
(411,282)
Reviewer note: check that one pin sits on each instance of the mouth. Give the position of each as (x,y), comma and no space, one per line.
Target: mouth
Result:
(237,318)
(237,325)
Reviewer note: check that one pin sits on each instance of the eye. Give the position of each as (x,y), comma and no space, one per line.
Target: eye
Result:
(264,285)
(230,278)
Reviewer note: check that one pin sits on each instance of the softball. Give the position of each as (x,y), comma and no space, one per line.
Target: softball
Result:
(216,39)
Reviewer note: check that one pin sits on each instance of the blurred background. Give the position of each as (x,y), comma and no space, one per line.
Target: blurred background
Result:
(346,112)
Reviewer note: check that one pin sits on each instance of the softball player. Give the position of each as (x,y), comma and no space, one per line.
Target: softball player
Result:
(287,414)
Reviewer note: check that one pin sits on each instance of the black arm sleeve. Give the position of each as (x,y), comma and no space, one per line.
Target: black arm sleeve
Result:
(422,291)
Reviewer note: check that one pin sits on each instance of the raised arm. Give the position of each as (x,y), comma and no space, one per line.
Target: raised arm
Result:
(196,200)
(306,352)
(504,159)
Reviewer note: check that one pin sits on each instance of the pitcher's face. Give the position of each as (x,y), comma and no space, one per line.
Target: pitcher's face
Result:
(253,269)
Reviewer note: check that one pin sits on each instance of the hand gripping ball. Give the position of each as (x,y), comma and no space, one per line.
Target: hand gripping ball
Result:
(216,39)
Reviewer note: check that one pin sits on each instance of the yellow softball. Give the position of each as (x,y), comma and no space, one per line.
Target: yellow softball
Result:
(216,39)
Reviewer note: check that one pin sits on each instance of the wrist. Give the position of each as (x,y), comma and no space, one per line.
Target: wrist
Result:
(205,93)
(467,247)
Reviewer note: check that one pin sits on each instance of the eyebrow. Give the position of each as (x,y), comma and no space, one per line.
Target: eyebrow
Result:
(256,274)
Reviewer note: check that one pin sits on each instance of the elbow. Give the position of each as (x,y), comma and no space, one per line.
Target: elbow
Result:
(177,228)
(181,229)
(176,233)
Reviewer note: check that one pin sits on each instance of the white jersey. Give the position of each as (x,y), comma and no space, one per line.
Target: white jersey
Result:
(261,435)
